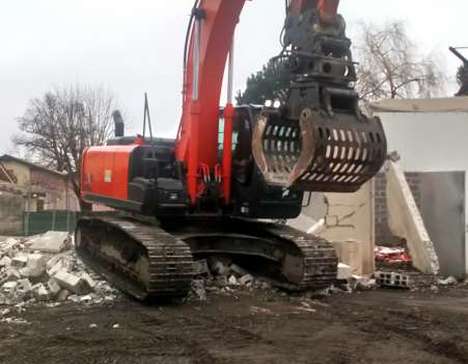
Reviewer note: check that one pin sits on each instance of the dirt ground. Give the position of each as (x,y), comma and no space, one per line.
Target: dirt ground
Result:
(384,326)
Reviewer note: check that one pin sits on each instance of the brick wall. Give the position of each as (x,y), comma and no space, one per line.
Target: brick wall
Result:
(383,235)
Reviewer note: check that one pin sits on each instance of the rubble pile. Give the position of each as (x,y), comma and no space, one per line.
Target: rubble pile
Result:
(219,274)
(46,269)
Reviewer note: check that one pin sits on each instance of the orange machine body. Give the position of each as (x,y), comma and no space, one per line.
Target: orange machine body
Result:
(105,172)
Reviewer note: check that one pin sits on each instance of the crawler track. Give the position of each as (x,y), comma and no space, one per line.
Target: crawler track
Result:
(140,259)
(145,260)
(297,261)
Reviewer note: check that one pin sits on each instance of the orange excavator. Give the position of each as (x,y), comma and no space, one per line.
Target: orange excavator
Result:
(206,191)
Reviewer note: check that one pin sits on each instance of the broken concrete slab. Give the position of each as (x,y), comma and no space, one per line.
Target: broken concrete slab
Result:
(52,242)
(246,280)
(53,287)
(19,261)
(238,270)
(406,221)
(72,282)
(219,265)
(8,288)
(40,292)
(63,295)
(5,261)
(90,281)
(35,267)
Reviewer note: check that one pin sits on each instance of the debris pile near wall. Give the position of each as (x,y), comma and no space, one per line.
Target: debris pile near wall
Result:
(46,269)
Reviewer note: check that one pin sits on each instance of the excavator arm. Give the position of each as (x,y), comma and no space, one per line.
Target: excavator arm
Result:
(316,140)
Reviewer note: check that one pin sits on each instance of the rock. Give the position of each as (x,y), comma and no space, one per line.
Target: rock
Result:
(23,288)
(12,275)
(233,281)
(345,272)
(19,261)
(115,326)
(9,287)
(72,282)
(37,264)
(219,266)
(239,271)
(53,287)
(198,287)
(450,281)
(86,299)
(93,326)
(52,242)
(246,280)
(63,295)
(5,261)
(74,298)
(40,292)
(89,281)
(201,268)
(363,283)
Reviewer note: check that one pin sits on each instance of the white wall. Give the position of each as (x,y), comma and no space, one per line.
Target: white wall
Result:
(429,142)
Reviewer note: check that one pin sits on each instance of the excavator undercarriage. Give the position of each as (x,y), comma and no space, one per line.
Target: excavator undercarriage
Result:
(148,259)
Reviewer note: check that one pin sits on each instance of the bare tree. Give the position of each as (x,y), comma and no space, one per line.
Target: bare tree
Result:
(392,66)
(59,126)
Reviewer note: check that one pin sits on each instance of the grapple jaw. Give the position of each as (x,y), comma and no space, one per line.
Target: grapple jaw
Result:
(319,152)
(318,140)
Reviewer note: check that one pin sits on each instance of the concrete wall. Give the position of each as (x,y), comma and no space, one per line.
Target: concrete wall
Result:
(20,171)
(429,142)
(56,191)
(349,224)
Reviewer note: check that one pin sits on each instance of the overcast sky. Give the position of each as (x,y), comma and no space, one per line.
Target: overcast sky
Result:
(130,47)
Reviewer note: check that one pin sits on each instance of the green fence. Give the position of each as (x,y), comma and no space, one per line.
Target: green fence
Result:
(43,221)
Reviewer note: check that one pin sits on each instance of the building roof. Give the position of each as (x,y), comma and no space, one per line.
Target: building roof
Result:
(436,105)
(10,158)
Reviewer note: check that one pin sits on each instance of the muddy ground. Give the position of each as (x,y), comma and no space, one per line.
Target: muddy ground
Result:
(384,326)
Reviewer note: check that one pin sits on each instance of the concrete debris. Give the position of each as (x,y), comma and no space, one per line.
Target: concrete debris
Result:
(237,270)
(5,261)
(57,277)
(450,281)
(14,321)
(19,261)
(393,279)
(219,265)
(72,282)
(93,326)
(198,287)
(233,281)
(362,283)
(52,242)
(345,272)
(53,287)
(63,295)
(115,326)
(35,266)
(40,292)
(23,288)
(246,280)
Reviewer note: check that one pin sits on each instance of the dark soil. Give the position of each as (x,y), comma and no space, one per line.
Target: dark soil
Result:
(385,326)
